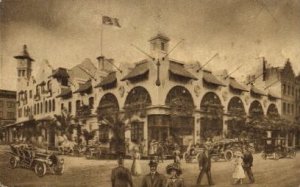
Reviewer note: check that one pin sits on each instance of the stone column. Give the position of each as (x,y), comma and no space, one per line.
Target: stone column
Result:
(197,123)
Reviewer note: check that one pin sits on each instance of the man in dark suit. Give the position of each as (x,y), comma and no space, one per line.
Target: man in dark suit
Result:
(121,176)
(247,164)
(205,166)
(154,179)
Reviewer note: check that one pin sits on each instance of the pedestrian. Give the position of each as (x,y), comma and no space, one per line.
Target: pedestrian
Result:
(151,148)
(238,173)
(154,179)
(136,169)
(121,176)
(174,180)
(160,152)
(177,156)
(205,166)
(248,163)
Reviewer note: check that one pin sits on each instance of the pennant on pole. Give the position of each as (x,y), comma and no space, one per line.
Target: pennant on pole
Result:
(106,20)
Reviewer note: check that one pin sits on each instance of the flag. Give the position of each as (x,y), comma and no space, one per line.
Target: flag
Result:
(106,20)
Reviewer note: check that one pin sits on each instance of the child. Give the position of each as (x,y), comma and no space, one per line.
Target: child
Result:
(238,173)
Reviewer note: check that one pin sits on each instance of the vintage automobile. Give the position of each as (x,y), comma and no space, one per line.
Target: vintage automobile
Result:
(276,148)
(26,156)
(225,148)
(192,153)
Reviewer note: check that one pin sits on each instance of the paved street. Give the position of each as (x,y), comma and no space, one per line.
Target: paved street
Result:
(83,172)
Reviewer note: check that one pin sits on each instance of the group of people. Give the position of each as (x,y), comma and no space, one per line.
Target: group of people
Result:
(122,177)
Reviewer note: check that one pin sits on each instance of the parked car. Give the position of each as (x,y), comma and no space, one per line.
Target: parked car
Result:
(25,156)
(276,148)
(225,148)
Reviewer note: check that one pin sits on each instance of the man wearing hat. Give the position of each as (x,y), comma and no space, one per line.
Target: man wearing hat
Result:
(154,179)
(121,176)
(247,163)
(205,166)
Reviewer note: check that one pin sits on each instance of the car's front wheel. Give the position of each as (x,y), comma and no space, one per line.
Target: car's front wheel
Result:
(40,169)
(228,155)
(13,162)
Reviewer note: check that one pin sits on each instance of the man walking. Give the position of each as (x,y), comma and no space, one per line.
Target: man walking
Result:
(121,176)
(247,164)
(154,179)
(205,166)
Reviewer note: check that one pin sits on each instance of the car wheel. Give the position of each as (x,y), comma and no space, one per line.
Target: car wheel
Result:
(292,154)
(13,162)
(228,155)
(59,170)
(40,169)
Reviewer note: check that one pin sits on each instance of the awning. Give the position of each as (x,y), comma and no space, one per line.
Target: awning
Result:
(272,95)
(65,92)
(236,85)
(110,79)
(60,73)
(84,87)
(179,70)
(138,70)
(45,118)
(257,91)
(209,78)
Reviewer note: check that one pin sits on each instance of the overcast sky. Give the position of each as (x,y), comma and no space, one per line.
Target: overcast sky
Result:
(65,32)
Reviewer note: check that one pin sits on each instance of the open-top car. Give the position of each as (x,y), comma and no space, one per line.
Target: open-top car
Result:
(23,155)
(225,148)
(276,148)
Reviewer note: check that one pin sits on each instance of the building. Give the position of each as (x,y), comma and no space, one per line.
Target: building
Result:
(7,113)
(159,98)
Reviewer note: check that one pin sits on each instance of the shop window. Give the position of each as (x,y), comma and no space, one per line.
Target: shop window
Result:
(292,108)
(30,94)
(284,89)
(1,104)
(103,133)
(137,131)
(288,108)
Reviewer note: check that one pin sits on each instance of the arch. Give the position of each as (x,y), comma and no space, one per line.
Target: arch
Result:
(272,111)
(210,98)
(236,106)
(212,120)
(180,100)
(137,99)
(256,109)
(108,105)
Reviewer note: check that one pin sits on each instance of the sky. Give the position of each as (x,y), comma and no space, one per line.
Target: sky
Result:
(65,32)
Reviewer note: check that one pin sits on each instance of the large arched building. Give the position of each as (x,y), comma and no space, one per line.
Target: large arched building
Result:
(160,97)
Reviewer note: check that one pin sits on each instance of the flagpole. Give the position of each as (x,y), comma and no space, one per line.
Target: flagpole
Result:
(101,39)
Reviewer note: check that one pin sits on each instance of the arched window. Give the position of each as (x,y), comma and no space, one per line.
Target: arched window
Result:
(236,107)
(272,111)
(256,109)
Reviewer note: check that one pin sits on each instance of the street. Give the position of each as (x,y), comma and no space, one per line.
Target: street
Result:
(82,172)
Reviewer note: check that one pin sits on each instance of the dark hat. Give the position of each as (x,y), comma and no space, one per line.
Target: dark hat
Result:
(152,163)
(174,166)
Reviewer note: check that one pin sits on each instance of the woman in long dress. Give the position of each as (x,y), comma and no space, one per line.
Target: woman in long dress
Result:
(136,169)
(238,174)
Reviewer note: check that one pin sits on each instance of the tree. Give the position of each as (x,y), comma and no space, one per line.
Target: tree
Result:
(64,123)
